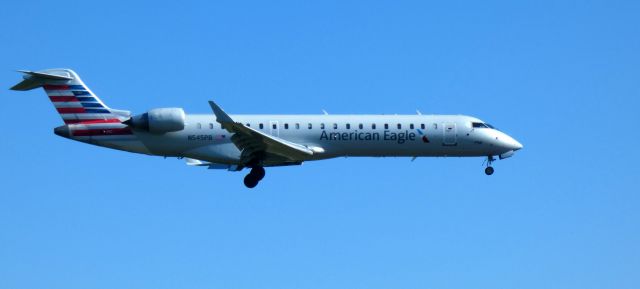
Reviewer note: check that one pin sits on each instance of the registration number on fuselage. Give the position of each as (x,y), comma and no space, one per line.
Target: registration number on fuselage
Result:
(200,137)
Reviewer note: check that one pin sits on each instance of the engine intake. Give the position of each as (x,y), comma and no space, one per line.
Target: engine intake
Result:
(159,120)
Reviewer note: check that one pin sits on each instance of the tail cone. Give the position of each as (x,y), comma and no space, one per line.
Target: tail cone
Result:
(62,131)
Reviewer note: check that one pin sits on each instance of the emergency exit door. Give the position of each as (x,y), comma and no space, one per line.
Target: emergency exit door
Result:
(450,134)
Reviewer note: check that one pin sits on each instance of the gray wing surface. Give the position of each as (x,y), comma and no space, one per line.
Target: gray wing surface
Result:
(259,147)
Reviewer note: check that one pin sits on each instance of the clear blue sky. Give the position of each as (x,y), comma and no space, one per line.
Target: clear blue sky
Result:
(562,77)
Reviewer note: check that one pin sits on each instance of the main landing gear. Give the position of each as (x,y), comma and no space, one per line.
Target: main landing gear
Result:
(489,170)
(253,178)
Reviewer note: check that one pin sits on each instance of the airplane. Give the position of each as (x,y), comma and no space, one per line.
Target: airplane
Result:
(235,142)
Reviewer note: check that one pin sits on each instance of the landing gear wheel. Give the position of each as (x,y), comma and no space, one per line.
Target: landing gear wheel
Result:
(488,171)
(251,181)
(259,172)
(254,177)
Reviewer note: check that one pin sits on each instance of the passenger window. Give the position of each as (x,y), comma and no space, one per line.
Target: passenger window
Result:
(310,126)
(261,126)
(386,126)
(399,126)
(373,126)
(335,126)
(348,126)
(286,126)
(411,126)
(435,126)
(248,124)
(297,126)
(422,125)
(322,126)
(199,126)
(274,126)
(210,125)
(360,126)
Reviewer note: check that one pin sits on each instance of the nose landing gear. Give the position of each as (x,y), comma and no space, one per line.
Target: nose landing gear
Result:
(252,179)
(489,169)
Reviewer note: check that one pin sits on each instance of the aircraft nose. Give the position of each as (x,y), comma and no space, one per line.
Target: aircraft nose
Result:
(513,144)
(507,142)
(517,145)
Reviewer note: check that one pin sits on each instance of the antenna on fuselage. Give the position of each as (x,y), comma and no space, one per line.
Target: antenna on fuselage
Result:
(325,112)
(418,112)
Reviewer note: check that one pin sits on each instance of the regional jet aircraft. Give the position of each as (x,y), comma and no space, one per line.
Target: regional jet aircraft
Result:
(235,142)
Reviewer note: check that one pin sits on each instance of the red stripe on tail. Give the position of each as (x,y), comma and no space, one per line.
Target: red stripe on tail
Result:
(56,87)
(63,98)
(71,109)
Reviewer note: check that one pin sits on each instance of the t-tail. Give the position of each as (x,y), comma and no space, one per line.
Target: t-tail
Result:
(86,117)
(72,99)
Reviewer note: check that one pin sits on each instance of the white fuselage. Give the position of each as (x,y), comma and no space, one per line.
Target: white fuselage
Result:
(203,138)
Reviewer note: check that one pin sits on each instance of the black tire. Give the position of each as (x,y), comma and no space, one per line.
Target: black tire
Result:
(489,171)
(258,172)
(250,181)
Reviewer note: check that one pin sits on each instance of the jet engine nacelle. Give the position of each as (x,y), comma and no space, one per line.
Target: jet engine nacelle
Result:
(159,120)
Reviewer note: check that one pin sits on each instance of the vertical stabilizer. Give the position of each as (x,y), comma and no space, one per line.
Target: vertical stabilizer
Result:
(70,96)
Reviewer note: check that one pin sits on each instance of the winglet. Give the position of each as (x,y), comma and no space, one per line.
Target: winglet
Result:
(221,116)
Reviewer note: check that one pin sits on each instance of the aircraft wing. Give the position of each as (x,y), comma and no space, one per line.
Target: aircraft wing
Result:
(258,146)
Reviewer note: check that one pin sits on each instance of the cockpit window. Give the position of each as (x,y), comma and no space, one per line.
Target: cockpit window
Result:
(481,125)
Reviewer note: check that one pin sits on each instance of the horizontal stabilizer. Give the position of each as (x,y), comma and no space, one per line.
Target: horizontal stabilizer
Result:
(34,79)
(61,76)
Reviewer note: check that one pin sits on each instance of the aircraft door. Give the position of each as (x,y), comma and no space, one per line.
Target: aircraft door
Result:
(274,128)
(450,134)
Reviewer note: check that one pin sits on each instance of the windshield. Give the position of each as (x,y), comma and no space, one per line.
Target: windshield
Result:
(481,125)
